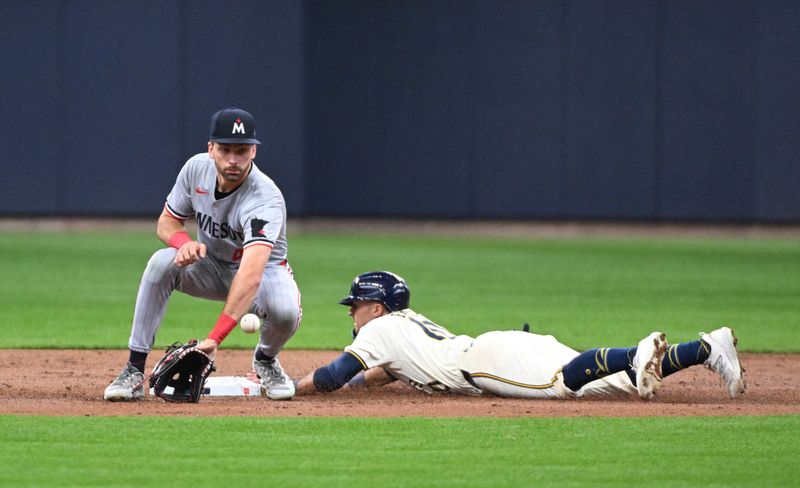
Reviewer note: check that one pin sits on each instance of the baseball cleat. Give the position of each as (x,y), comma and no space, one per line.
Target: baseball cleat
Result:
(647,364)
(275,383)
(724,359)
(128,386)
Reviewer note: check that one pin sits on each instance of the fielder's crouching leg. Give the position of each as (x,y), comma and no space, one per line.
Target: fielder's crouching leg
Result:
(278,304)
(158,281)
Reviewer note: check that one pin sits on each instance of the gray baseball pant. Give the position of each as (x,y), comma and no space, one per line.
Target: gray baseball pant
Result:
(277,301)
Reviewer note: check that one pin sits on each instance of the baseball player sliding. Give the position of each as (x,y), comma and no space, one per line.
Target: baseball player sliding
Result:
(392,342)
(239,256)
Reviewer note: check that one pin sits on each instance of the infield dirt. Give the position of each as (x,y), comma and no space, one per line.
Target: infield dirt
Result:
(71,382)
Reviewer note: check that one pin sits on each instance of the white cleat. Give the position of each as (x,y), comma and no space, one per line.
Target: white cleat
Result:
(128,386)
(724,359)
(275,383)
(647,364)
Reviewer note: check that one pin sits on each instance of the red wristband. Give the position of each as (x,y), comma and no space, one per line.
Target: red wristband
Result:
(224,326)
(178,239)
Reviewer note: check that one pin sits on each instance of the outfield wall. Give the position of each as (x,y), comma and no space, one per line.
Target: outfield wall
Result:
(536,110)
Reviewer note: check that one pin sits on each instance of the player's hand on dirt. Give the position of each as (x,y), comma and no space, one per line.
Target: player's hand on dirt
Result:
(190,253)
(208,346)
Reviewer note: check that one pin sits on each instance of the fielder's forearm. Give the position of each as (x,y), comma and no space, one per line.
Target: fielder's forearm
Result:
(168,226)
(240,297)
(243,289)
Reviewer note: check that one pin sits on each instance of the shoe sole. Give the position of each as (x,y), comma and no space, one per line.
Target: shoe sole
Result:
(123,394)
(648,379)
(122,397)
(740,386)
(279,396)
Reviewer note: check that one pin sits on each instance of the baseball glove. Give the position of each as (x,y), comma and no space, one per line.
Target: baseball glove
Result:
(184,368)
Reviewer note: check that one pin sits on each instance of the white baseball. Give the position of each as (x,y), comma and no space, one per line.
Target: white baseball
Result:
(250,323)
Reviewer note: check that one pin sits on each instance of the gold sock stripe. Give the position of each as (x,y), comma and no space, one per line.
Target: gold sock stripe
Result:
(672,354)
(512,382)
(601,359)
(703,345)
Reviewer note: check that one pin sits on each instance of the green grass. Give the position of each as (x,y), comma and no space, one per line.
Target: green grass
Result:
(402,452)
(78,289)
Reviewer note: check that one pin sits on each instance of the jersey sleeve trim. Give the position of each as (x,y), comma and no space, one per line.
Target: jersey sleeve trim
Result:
(363,363)
(174,214)
(258,242)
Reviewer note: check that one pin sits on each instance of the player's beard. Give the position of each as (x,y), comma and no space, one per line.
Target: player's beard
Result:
(236,174)
(232,174)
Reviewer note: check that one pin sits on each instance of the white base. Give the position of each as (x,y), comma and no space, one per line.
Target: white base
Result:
(226,386)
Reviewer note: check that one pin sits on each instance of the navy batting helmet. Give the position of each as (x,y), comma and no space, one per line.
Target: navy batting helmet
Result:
(379,286)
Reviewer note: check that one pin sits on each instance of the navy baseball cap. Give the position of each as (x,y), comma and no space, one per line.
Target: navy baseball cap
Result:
(233,126)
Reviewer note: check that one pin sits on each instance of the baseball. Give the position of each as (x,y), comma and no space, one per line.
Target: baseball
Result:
(250,323)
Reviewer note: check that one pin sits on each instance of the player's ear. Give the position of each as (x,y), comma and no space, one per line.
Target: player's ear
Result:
(375,309)
(210,147)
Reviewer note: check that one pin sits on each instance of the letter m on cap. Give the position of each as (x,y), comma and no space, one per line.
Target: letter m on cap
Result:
(238,127)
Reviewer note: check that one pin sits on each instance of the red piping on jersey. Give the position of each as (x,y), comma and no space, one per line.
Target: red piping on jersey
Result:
(173,215)
(259,243)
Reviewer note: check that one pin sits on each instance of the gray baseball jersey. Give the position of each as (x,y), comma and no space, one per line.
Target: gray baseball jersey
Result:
(254,214)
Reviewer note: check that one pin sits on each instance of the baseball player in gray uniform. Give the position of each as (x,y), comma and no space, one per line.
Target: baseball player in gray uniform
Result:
(239,257)
(392,342)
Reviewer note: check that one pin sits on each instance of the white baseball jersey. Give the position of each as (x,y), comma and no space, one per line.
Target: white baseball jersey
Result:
(253,214)
(504,363)
(414,350)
